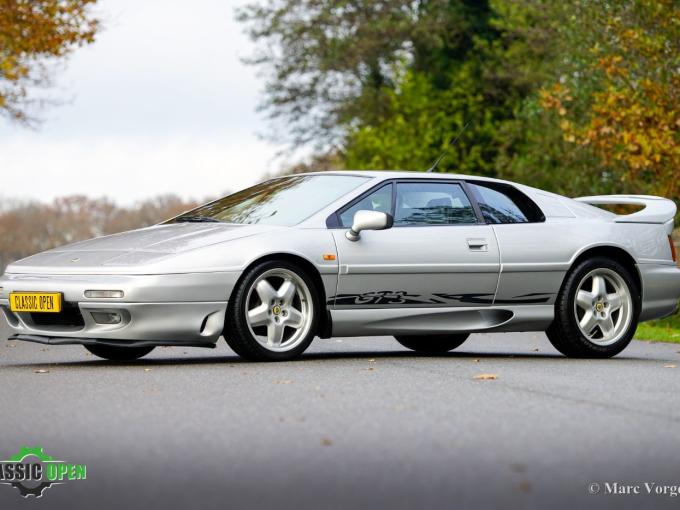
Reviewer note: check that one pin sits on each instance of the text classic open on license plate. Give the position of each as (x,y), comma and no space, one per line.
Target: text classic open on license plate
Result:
(40,302)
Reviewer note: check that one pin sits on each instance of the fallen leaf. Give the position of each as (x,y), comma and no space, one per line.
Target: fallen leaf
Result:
(476,361)
(371,360)
(523,486)
(12,345)
(670,366)
(284,381)
(147,370)
(41,371)
(535,350)
(326,442)
(486,377)
(369,368)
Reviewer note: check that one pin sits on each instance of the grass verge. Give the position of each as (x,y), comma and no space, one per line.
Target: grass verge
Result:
(664,330)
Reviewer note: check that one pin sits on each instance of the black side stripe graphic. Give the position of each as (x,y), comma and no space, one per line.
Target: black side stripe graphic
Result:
(400,297)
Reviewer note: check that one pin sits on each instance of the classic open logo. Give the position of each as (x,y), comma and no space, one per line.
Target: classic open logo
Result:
(31,471)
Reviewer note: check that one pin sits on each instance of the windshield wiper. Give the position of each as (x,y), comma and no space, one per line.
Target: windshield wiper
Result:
(197,219)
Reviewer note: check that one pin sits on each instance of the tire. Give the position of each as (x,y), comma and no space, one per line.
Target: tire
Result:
(276,320)
(433,344)
(115,353)
(592,320)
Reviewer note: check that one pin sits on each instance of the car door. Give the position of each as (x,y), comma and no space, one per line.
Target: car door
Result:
(437,254)
(534,253)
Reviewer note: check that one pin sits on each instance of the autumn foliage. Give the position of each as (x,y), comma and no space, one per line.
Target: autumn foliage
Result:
(33,35)
(632,119)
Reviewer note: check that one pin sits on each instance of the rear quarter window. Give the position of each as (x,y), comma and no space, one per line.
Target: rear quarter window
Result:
(502,203)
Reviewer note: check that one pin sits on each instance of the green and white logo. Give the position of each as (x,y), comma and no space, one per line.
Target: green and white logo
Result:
(31,471)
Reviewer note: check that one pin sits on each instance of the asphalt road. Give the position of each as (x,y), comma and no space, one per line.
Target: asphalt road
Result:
(358,423)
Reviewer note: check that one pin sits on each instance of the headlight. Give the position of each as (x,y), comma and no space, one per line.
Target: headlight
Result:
(104,294)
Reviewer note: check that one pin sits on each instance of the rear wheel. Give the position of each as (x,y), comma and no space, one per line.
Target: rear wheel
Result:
(596,313)
(432,344)
(115,353)
(273,313)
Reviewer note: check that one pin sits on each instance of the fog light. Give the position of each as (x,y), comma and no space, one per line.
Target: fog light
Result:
(104,294)
(106,317)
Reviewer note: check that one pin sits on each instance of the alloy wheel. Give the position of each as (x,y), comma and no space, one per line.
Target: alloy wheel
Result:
(279,310)
(603,306)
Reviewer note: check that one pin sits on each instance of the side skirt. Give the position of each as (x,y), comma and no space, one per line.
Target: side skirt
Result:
(403,321)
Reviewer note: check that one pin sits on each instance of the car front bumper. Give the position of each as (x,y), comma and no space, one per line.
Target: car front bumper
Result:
(172,309)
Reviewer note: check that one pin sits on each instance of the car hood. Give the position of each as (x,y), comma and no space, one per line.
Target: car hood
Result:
(135,248)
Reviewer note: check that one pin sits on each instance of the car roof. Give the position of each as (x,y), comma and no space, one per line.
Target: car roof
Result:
(401,174)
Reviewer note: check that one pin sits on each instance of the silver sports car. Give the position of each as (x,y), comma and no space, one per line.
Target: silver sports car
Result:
(427,258)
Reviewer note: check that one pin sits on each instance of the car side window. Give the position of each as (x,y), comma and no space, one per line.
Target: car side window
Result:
(499,206)
(380,200)
(425,203)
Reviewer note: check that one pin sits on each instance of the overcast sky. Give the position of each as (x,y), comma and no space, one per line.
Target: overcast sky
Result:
(160,103)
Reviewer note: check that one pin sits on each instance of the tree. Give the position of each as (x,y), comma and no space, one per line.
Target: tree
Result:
(485,86)
(387,84)
(331,64)
(631,119)
(34,34)
(422,121)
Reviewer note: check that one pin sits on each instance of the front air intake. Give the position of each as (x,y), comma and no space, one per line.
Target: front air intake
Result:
(70,316)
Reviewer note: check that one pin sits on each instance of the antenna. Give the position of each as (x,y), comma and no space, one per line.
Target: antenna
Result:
(451,143)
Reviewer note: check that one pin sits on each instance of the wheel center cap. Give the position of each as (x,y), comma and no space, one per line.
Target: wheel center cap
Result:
(599,307)
(276,310)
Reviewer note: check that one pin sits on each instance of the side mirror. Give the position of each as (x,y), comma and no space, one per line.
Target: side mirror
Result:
(368,220)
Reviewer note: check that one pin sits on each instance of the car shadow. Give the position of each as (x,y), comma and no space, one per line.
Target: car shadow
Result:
(189,360)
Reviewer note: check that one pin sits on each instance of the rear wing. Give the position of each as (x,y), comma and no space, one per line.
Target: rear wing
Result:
(656,210)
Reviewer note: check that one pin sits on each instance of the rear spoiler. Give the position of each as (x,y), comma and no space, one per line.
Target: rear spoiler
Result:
(656,210)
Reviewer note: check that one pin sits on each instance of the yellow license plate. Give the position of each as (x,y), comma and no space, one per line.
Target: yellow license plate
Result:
(37,302)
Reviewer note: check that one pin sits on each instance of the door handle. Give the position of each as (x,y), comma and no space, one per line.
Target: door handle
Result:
(478,244)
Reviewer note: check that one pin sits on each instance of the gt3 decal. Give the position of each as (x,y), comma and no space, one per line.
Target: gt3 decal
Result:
(400,297)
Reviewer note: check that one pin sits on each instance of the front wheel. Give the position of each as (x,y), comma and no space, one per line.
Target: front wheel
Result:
(273,313)
(115,353)
(432,344)
(596,312)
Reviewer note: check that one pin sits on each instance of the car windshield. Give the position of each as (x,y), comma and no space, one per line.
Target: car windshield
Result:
(284,202)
